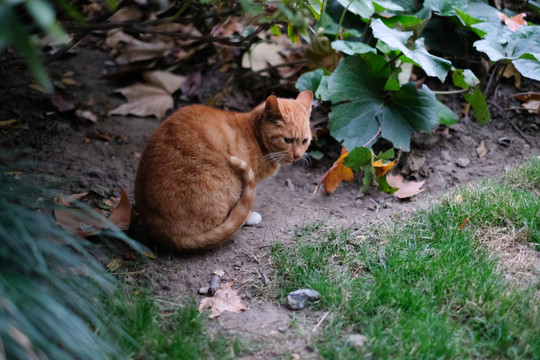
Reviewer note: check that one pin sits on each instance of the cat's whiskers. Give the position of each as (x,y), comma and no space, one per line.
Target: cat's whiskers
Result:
(275,156)
(305,160)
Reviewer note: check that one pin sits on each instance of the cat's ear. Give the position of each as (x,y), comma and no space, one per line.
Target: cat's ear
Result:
(272,112)
(305,98)
(272,107)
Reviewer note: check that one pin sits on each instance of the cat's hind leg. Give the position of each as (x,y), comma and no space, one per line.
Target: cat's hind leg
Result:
(254,218)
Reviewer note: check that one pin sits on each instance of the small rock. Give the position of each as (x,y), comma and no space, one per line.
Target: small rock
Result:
(204,290)
(356,340)
(463,162)
(445,155)
(300,298)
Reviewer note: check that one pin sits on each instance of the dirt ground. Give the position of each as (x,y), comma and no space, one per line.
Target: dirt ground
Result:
(106,154)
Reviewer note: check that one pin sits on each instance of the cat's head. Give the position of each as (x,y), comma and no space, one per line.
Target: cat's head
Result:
(285,127)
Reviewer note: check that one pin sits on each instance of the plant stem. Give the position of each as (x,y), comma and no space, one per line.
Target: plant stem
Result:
(514,126)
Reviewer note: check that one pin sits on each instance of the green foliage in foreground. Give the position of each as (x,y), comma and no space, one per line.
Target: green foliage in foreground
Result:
(428,289)
(58,302)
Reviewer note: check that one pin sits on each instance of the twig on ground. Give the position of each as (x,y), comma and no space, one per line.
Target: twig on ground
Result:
(514,126)
(320,321)
(449,92)
(215,281)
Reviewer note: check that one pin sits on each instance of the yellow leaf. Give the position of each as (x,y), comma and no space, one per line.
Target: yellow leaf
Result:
(380,168)
(150,255)
(337,173)
(7,122)
(114,265)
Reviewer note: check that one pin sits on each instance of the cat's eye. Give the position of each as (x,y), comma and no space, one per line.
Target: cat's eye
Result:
(304,142)
(288,140)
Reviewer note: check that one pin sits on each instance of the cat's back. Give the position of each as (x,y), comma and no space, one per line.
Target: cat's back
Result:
(194,128)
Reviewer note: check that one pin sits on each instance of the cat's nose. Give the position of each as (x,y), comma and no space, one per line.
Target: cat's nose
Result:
(297,155)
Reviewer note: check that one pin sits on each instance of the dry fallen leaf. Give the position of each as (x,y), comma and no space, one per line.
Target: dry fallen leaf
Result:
(337,173)
(153,98)
(121,214)
(514,22)
(531,101)
(82,221)
(87,222)
(114,265)
(407,189)
(261,56)
(128,49)
(481,150)
(225,299)
(509,71)
(5,123)
(86,115)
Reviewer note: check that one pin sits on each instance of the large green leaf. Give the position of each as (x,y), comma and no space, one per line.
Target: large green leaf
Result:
(408,110)
(445,7)
(316,8)
(352,47)
(360,107)
(416,53)
(364,8)
(446,115)
(310,80)
(528,68)
(522,43)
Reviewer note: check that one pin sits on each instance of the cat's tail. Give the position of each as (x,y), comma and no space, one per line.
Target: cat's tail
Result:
(236,217)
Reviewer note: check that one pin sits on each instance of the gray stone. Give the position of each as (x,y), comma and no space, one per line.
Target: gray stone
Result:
(300,298)
(463,162)
(356,340)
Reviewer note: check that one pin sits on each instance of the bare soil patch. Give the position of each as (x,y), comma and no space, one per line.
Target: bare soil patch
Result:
(106,154)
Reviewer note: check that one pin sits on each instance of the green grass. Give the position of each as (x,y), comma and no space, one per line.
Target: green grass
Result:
(179,332)
(426,289)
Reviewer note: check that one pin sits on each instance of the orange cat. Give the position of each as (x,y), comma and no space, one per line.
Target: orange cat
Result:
(196,180)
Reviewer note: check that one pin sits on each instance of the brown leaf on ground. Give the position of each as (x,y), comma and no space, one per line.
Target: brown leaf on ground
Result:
(337,173)
(128,49)
(127,13)
(121,215)
(165,80)
(514,22)
(509,71)
(82,221)
(62,103)
(481,150)
(531,101)
(262,55)
(407,189)
(150,99)
(86,115)
(225,299)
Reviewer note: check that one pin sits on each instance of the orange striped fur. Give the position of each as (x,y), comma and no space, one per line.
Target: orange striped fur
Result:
(196,179)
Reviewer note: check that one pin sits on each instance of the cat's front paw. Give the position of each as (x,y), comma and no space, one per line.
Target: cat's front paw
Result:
(253,218)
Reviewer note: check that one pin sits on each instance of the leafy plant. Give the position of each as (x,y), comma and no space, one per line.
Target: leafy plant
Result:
(50,285)
(16,33)
(369,91)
